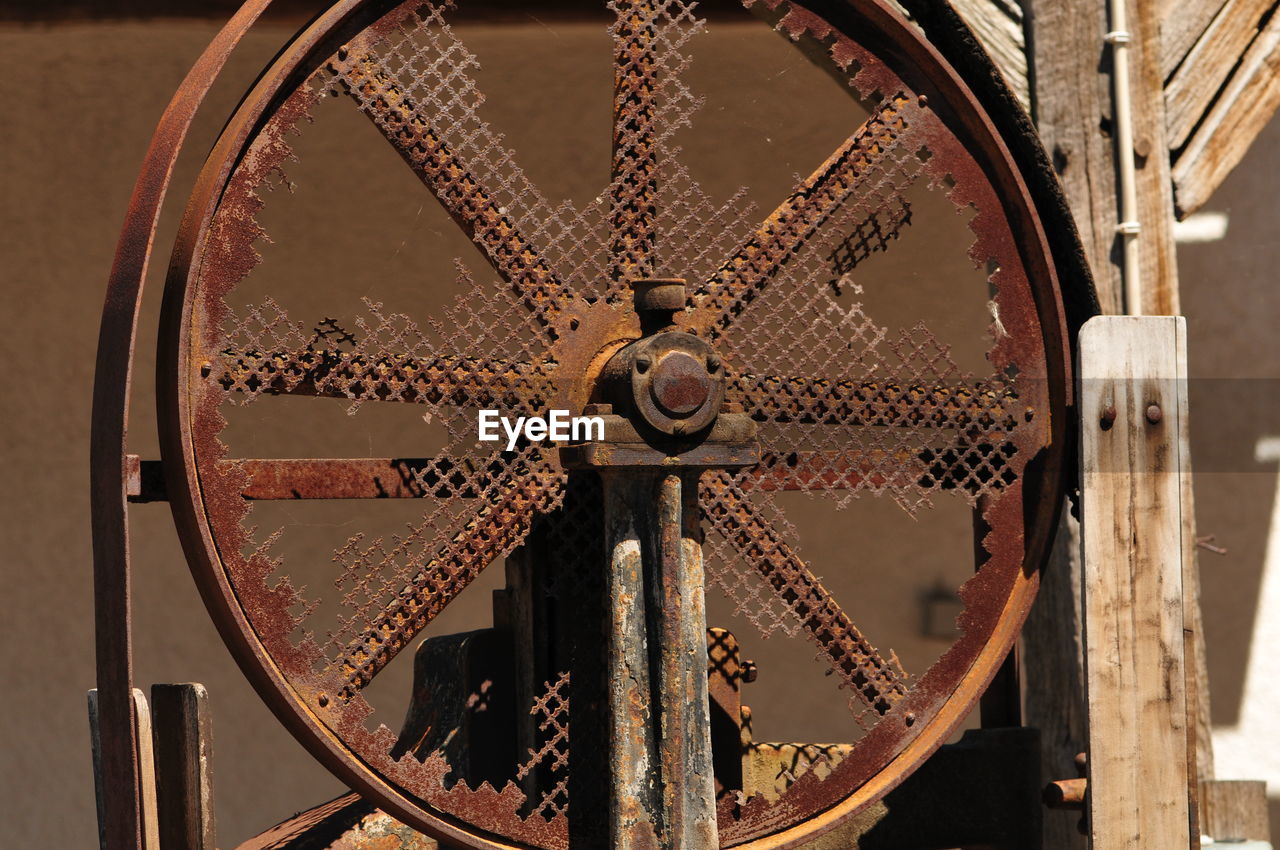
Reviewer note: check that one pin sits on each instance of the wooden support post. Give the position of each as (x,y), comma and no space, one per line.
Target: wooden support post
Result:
(184,784)
(1133,404)
(148,827)
(1234,810)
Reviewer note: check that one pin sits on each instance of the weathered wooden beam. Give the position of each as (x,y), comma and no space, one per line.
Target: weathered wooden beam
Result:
(999,26)
(1184,23)
(1234,810)
(1132,373)
(1156,246)
(148,827)
(1194,86)
(183,736)
(1243,108)
(1071,97)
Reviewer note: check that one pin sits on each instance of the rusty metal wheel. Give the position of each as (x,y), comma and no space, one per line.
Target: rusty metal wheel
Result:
(846,406)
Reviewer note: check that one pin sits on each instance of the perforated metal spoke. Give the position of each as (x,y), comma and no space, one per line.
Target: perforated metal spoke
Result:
(878,682)
(412,128)
(856,191)
(439,561)
(459,381)
(983,405)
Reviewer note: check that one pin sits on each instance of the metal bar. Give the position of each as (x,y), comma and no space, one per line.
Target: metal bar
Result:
(635,156)
(633,821)
(680,692)
(786,230)
(453,183)
(485,383)
(183,735)
(108,446)
(493,530)
(663,787)
(878,681)
(787,399)
(457,380)
(362,478)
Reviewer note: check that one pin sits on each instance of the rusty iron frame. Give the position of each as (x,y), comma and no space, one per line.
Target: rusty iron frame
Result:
(118,478)
(120,778)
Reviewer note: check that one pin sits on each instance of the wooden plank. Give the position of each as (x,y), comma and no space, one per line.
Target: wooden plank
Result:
(1184,23)
(1131,474)
(146,774)
(183,738)
(150,836)
(95,745)
(1235,810)
(1156,246)
(1192,89)
(1199,723)
(1243,108)
(999,26)
(1070,99)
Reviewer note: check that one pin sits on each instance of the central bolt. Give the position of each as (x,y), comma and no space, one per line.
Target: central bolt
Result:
(680,384)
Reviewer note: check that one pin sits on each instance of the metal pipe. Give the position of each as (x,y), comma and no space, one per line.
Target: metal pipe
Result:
(633,821)
(662,791)
(1128,227)
(680,674)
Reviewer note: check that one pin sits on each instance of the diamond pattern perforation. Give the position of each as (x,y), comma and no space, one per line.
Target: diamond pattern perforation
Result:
(846,405)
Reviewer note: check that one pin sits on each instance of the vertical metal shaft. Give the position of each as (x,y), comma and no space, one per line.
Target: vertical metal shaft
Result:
(632,815)
(680,620)
(662,789)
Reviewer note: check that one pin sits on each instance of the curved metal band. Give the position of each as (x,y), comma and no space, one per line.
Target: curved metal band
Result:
(119,780)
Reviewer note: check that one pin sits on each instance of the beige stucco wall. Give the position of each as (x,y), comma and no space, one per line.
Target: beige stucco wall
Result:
(82,100)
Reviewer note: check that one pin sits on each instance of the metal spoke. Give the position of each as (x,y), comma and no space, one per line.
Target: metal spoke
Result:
(473,541)
(861,178)
(963,466)
(984,406)
(456,185)
(635,155)
(453,380)
(275,479)
(878,682)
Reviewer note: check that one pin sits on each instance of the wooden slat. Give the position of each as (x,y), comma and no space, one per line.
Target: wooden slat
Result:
(1131,474)
(146,774)
(184,786)
(1234,121)
(1183,25)
(1235,811)
(1158,252)
(1192,89)
(1066,57)
(999,26)
(1070,98)
(149,831)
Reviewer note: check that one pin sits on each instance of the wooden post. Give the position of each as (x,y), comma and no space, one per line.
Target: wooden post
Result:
(1235,810)
(1133,404)
(184,783)
(146,771)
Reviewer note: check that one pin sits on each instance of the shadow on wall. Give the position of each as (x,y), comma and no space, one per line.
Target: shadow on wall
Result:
(1231,302)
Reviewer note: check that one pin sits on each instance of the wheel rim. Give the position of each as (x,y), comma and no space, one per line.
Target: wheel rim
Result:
(318,695)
